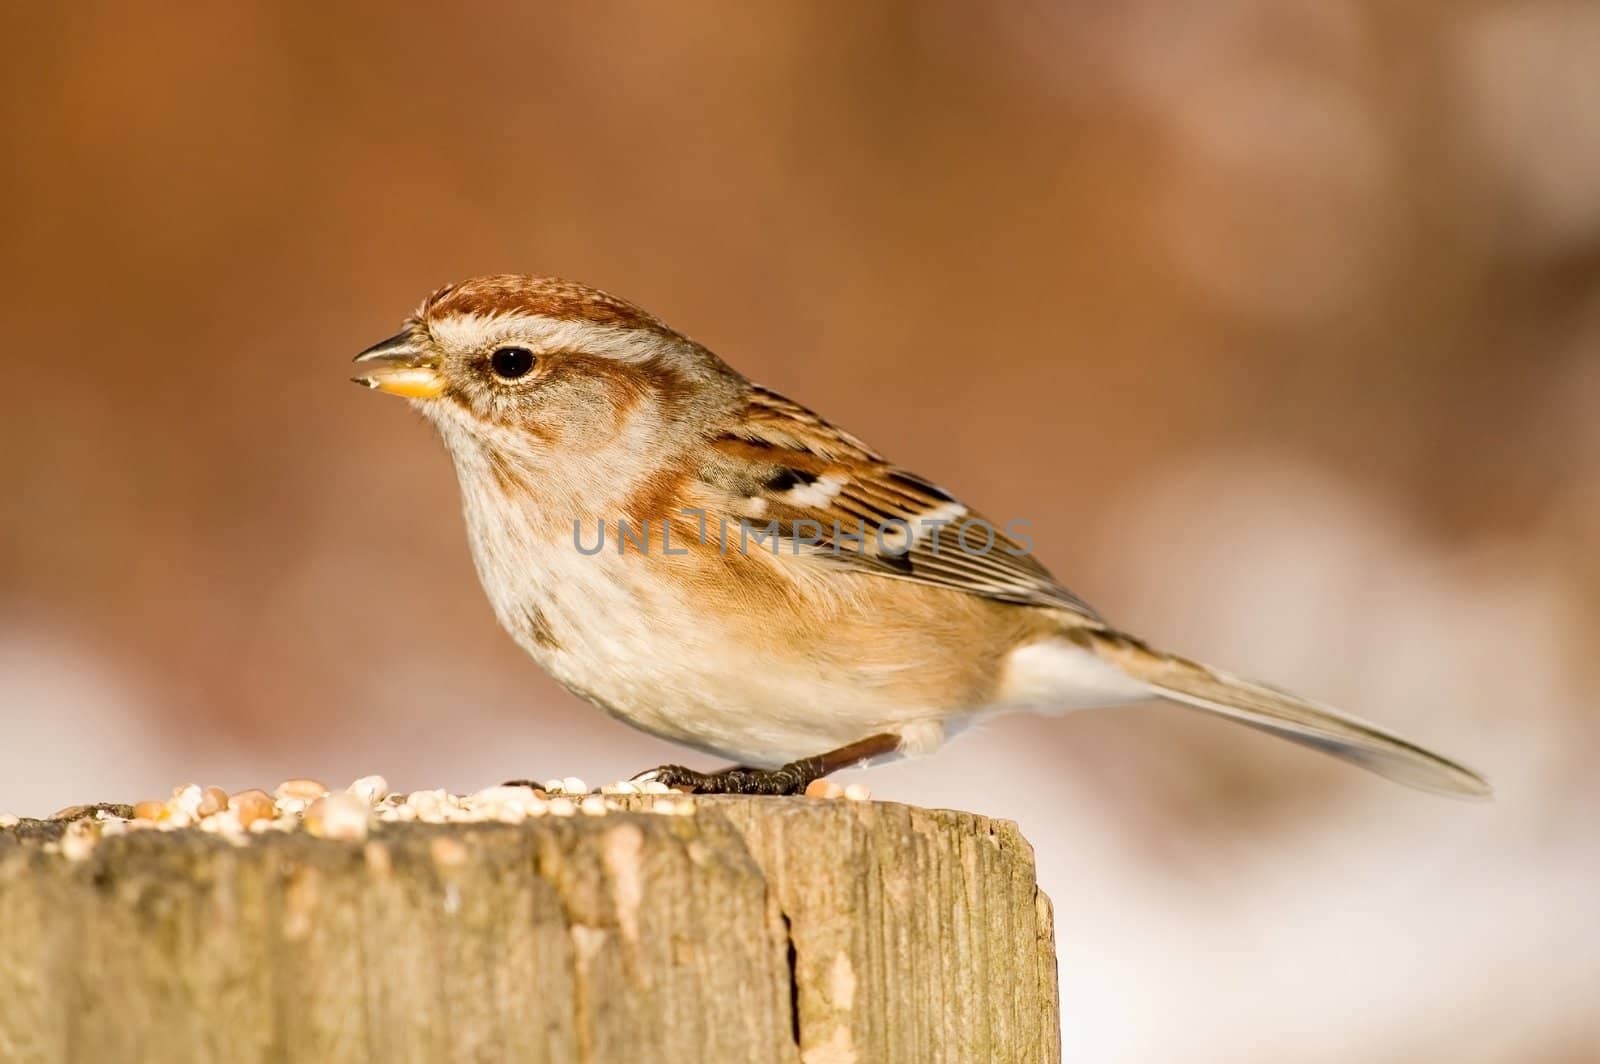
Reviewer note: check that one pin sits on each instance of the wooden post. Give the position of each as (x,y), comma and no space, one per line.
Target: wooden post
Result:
(755,929)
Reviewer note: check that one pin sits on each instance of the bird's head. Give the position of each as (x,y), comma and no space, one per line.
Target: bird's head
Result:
(531,366)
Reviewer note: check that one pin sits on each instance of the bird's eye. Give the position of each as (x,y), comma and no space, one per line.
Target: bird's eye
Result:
(509,363)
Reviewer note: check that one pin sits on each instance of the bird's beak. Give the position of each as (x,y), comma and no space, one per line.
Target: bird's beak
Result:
(400,367)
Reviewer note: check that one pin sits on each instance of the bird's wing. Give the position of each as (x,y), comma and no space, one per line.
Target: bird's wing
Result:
(782,464)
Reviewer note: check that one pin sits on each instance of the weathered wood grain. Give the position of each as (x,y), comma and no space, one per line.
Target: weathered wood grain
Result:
(757,929)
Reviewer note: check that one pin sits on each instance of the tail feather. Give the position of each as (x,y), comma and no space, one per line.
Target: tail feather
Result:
(1289,716)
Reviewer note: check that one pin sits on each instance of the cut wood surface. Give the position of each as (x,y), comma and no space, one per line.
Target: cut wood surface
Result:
(755,929)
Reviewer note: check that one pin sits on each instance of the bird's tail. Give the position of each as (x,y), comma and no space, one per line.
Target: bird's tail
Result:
(1286,715)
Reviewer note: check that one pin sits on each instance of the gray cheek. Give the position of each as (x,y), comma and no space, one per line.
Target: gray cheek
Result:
(578,414)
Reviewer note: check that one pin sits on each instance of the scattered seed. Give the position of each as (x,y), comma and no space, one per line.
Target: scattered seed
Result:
(673,806)
(337,816)
(857,792)
(370,789)
(213,800)
(251,806)
(186,801)
(306,805)
(824,789)
(304,790)
(226,822)
(431,806)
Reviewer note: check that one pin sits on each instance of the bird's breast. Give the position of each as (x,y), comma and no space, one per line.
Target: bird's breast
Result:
(759,658)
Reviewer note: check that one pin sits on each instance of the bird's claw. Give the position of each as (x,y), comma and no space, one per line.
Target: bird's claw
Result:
(789,779)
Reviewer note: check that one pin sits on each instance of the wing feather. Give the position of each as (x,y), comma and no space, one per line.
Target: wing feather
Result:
(784,463)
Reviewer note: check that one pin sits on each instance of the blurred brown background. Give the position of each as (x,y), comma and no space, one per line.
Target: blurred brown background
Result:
(1279,320)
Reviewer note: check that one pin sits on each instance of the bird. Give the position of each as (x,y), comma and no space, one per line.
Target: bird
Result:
(711,562)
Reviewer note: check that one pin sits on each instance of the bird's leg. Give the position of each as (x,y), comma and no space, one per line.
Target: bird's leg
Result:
(792,778)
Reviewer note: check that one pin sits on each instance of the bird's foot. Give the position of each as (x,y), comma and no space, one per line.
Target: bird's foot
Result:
(792,778)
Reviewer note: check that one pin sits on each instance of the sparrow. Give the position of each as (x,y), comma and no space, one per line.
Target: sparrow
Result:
(715,564)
